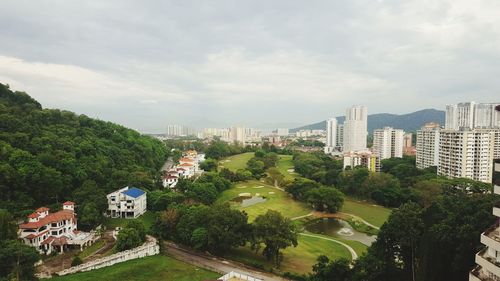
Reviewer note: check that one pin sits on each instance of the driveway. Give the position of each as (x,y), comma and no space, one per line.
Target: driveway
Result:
(216,264)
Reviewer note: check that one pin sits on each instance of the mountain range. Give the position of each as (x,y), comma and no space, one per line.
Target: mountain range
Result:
(408,122)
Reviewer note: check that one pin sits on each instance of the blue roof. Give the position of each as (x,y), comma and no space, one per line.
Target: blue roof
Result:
(133,192)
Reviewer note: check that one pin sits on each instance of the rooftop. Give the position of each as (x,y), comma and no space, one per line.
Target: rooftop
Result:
(133,192)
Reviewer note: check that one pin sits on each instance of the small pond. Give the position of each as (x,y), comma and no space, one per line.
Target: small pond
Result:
(246,201)
(338,228)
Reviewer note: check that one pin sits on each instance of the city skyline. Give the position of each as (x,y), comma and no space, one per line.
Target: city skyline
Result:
(198,64)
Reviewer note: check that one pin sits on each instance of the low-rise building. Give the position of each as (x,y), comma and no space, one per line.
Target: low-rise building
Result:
(365,159)
(127,203)
(49,232)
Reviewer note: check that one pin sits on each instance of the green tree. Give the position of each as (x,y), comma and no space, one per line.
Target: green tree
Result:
(128,238)
(328,198)
(90,216)
(139,226)
(326,270)
(256,167)
(17,260)
(7,226)
(276,176)
(209,165)
(276,233)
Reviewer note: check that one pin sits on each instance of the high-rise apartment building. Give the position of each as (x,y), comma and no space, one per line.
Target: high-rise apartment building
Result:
(355,129)
(472,115)
(237,134)
(331,135)
(428,146)
(179,131)
(488,259)
(282,132)
(340,136)
(485,115)
(388,142)
(468,153)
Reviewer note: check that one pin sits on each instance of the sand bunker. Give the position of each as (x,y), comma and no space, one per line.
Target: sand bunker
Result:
(245,194)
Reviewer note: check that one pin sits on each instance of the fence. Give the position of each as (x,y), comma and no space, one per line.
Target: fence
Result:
(149,248)
(240,276)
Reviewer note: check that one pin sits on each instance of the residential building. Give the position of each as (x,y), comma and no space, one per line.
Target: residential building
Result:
(427,154)
(331,135)
(488,259)
(486,115)
(407,140)
(468,153)
(49,232)
(388,142)
(188,166)
(366,159)
(282,132)
(222,133)
(471,115)
(252,135)
(340,136)
(237,134)
(179,131)
(127,203)
(303,133)
(355,129)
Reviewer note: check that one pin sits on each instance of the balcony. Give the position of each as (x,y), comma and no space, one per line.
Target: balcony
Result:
(496,210)
(487,262)
(491,238)
(478,274)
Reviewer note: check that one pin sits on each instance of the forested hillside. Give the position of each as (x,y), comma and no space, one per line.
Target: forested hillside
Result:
(46,155)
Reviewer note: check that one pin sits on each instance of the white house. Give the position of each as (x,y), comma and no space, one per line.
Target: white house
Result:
(127,203)
(170,180)
(49,232)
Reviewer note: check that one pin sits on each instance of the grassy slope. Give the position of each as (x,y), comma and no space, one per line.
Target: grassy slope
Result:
(284,165)
(236,162)
(298,259)
(373,214)
(147,218)
(279,201)
(153,268)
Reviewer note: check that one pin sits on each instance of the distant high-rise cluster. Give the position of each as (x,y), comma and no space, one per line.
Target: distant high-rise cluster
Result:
(179,131)
(466,146)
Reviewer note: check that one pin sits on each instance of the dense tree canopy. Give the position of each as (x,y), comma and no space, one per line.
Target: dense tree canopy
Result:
(47,155)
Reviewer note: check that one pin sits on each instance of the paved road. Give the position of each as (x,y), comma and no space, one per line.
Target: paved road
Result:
(216,264)
(353,253)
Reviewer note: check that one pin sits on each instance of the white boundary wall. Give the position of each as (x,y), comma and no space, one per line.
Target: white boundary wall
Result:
(149,248)
(233,274)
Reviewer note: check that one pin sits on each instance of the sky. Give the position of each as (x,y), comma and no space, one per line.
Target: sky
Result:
(147,64)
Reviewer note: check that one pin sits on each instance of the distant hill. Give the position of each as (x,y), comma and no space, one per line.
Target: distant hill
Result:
(408,122)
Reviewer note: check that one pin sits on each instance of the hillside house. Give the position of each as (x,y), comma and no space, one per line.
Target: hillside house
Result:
(49,232)
(127,203)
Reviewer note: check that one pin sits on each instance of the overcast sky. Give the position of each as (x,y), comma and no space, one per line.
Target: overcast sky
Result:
(146,64)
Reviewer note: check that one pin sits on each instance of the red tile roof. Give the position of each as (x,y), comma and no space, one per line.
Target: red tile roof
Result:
(32,235)
(33,215)
(186,160)
(68,203)
(50,218)
(186,165)
(42,209)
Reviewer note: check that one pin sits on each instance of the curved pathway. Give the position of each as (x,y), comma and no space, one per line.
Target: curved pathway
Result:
(361,219)
(353,253)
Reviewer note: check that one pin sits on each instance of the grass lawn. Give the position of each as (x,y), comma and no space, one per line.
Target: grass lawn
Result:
(236,162)
(299,259)
(90,250)
(285,163)
(279,201)
(371,213)
(147,218)
(154,268)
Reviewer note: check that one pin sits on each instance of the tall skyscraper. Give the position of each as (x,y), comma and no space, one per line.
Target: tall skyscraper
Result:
(468,153)
(355,128)
(331,135)
(388,143)
(428,146)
